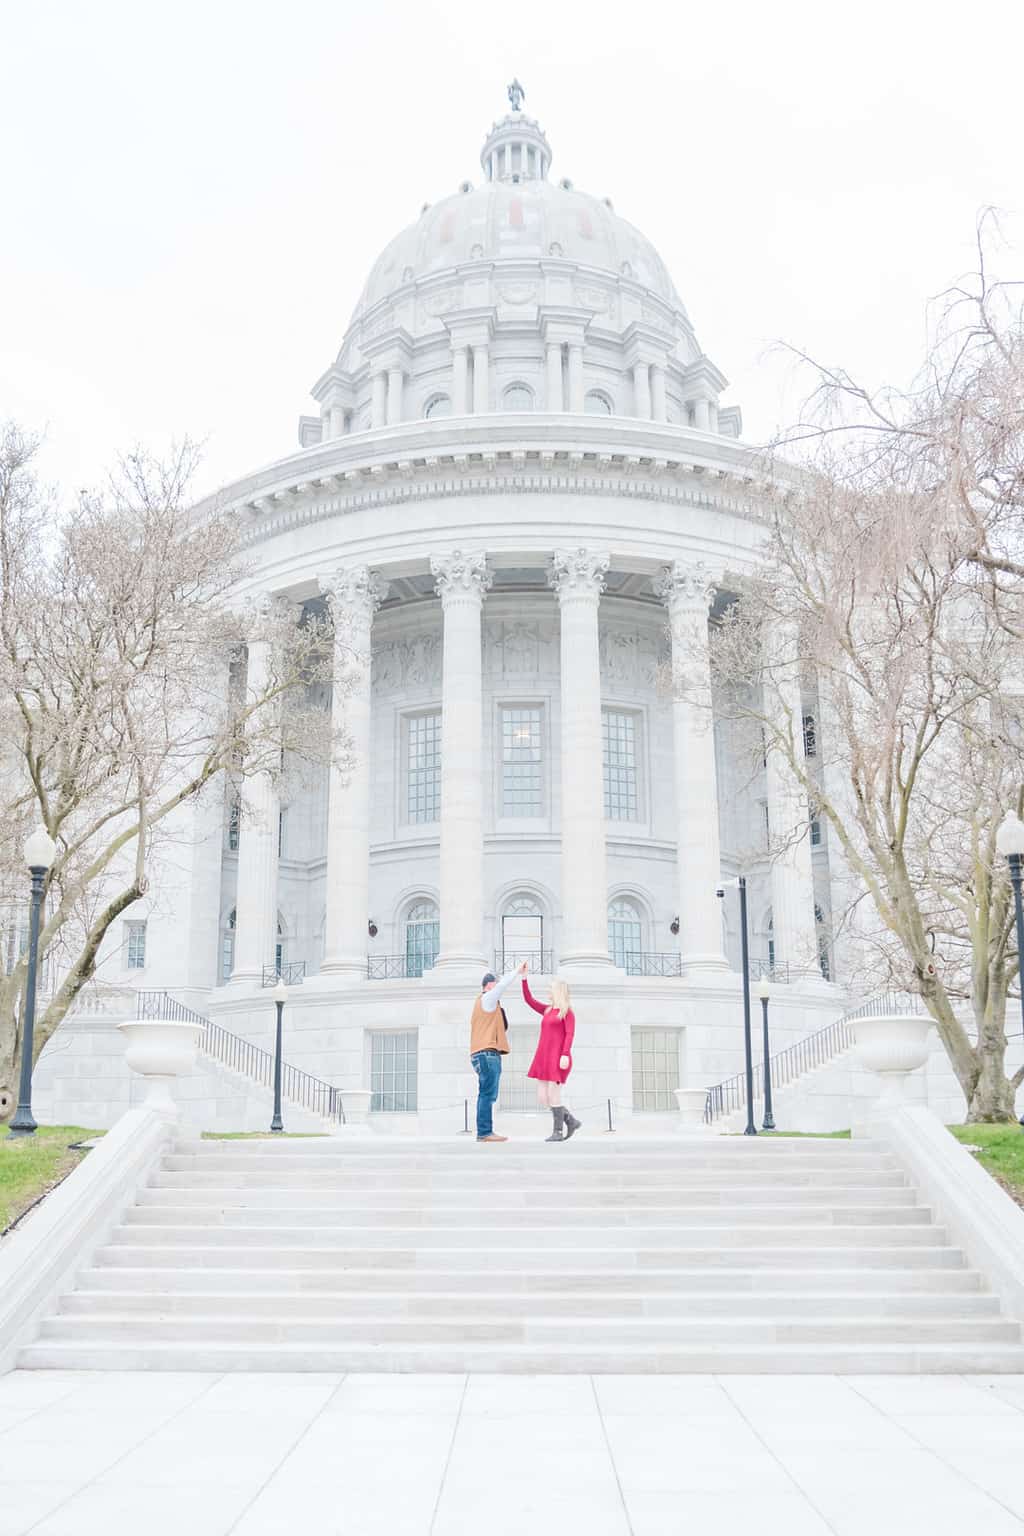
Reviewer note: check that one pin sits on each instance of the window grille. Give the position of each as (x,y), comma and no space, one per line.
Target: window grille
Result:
(621,793)
(815,833)
(625,935)
(234,824)
(522,788)
(135,944)
(423,767)
(422,938)
(810,737)
(393,1069)
(655,1068)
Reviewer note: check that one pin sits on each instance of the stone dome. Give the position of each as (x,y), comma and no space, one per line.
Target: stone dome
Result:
(517,214)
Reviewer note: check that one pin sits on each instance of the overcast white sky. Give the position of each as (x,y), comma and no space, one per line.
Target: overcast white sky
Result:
(194,192)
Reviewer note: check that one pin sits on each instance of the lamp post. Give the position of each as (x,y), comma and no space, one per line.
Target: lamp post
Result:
(764,992)
(741,882)
(1010,843)
(280,998)
(39,854)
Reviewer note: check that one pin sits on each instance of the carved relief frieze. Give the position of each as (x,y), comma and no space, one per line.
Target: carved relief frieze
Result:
(631,657)
(518,293)
(442,302)
(411,661)
(518,648)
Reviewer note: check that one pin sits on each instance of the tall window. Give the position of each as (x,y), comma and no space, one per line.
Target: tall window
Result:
(770,931)
(280,833)
(423,767)
(393,1064)
(815,833)
(135,945)
(522,934)
(625,936)
(824,962)
(234,823)
(810,737)
(422,938)
(621,789)
(227,948)
(655,1068)
(522,789)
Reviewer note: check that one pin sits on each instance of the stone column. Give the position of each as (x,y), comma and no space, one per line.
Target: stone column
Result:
(793,924)
(256,898)
(354,596)
(576,379)
(702,415)
(394,407)
(481,384)
(641,391)
(555,400)
(578,578)
(461,582)
(460,381)
(336,421)
(659,405)
(687,591)
(378,399)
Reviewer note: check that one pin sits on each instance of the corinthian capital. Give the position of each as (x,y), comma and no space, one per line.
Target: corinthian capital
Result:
(685,584)
(578,572)
(354,590)
(460,575)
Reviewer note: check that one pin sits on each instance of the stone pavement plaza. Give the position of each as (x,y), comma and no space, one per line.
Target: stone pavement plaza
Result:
(208,1455)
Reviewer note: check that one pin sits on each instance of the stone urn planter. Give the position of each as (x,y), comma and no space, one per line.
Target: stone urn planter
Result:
(893,1045)
(161,1050)
(356,1104)
(692,1103)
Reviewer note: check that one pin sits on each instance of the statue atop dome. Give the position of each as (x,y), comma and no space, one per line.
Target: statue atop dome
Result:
(516,95)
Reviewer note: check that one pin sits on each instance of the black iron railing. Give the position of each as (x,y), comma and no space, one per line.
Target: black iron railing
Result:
(292,973)
(728,1096)
(540,961)
(396,967)
(251,1061)
(764,968)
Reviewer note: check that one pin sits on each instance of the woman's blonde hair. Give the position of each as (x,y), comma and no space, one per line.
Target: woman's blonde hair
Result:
(560,996)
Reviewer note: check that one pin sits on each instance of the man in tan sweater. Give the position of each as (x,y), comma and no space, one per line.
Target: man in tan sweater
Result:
(488,1043)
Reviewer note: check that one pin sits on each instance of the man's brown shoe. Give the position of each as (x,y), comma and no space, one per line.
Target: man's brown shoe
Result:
(492,1137)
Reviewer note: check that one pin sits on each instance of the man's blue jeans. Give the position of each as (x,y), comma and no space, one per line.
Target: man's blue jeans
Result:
(487,1066)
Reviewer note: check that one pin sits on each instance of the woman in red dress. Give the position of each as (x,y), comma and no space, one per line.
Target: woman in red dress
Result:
(552,1060)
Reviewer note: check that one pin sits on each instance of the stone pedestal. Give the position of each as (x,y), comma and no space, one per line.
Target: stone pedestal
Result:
(161,1050)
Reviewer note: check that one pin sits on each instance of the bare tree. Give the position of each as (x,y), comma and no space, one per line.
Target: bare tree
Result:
(892,574)
(119,619)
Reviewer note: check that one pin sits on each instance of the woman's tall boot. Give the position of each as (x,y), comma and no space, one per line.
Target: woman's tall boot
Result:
(558,1115)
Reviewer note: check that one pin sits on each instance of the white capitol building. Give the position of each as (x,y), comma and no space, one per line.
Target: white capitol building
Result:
(524,492)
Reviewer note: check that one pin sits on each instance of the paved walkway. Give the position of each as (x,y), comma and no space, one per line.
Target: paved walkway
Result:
(196,1455)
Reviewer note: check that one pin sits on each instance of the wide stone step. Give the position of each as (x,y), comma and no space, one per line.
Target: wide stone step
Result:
(309,1198)
(344,1233)
(558,1181)
(848,1358)
(531,1330)
(595,1144)
(123,1278)
(500,1157)
(568,1303)
(282,1218)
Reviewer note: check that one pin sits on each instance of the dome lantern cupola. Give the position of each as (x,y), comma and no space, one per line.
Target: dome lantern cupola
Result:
(516,149)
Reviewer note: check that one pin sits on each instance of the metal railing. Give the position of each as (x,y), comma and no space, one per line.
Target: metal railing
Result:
(540,961)
(731,1095)
(396,967)
(764,968)
(292,973)
(251,1061)
(650,963)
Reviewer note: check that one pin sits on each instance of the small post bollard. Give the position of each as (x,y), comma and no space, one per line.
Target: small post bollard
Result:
(610,1125)
(465,1118)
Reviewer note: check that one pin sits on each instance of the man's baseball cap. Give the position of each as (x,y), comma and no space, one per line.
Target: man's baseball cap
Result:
(489,977)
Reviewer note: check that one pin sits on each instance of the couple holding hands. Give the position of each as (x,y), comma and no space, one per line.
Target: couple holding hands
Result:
(552,1060)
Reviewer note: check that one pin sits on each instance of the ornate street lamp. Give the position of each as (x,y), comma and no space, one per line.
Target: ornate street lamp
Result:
(741,882)
(764,992)
(280,998)
(1010,843)
(40,850)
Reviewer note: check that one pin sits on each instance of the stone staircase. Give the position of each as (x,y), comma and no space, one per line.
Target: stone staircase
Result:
(605,1254)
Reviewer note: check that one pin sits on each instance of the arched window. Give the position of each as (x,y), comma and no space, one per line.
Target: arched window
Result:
(596,404)
(518,397)
(440,405)
(227,948)
(769,929)
(422,937)
(522,934)
(279,948)
(625,936)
